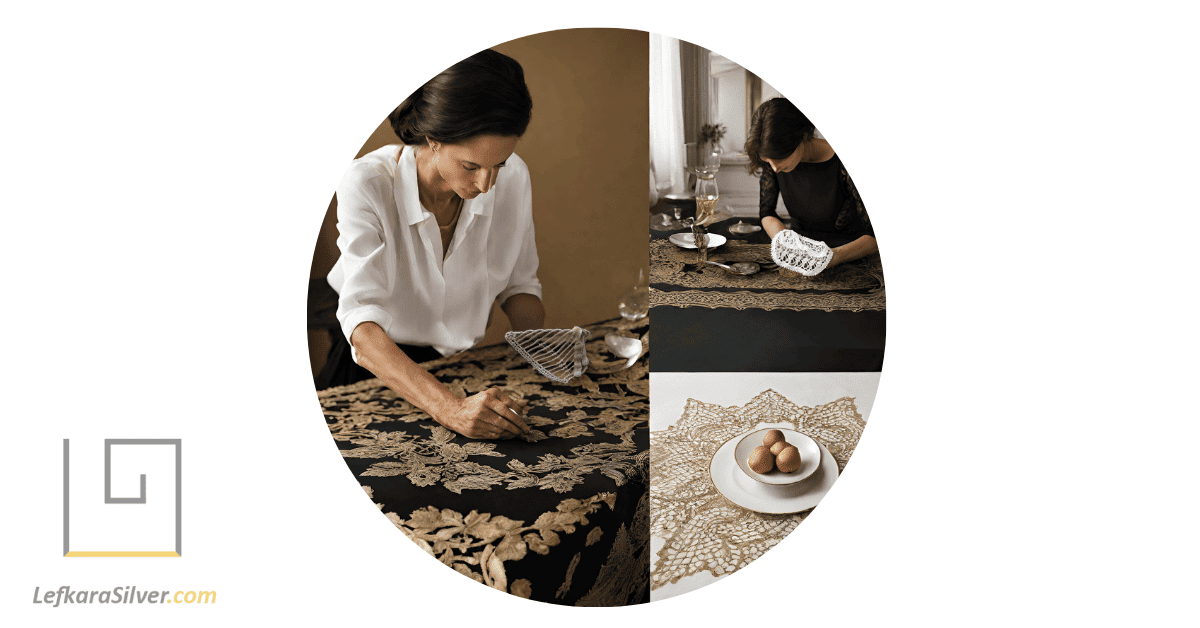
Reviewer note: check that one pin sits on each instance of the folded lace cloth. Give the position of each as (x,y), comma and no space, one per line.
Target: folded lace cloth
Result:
(800,254)
(556,353)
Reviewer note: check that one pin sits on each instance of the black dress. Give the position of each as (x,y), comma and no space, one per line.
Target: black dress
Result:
(821,200)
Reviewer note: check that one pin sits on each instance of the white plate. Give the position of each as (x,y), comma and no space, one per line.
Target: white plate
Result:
(810,456)
(687,241)
(772,500)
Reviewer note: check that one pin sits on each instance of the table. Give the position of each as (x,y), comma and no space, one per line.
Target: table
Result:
(708,319)
(698,536)
(560,517)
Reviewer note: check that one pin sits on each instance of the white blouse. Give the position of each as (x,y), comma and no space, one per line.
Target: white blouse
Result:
(392,272)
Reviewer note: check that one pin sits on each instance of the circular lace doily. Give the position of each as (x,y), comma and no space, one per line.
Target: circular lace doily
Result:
(704,531)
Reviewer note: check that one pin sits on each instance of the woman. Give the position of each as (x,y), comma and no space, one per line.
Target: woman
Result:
(432,232)
(820,197)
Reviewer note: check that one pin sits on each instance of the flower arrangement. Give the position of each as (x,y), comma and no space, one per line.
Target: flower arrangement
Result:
(712,134)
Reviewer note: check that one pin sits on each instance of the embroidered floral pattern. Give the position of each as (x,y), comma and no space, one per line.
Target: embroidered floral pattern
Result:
(477,545)
(614,403)
(589,434)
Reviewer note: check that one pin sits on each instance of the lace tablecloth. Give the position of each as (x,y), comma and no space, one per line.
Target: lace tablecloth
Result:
(709,319)
(696,531)
(560,517)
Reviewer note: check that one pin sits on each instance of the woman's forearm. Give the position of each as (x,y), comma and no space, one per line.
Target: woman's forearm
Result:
(525,311)
(772,225)
(378,354)
(851,251)
(491,413)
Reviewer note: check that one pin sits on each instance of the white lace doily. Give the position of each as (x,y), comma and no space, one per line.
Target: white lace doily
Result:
(556,353)
(800,254)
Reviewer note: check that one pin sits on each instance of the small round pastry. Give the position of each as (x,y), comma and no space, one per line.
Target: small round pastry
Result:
(761,460)
(788,460)
(772,437)
(779,447)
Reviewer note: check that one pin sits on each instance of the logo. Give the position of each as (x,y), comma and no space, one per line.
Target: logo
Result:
(124,517)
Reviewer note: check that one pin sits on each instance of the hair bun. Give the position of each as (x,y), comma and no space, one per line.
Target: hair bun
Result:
(405,119)
(482,94)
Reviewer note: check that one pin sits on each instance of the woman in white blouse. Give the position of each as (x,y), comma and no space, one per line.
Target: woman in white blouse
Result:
(435,230)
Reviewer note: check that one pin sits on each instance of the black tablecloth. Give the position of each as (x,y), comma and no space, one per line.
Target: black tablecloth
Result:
(706,319)
(561,517)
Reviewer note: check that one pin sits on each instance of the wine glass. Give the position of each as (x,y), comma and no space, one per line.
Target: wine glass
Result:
(671,220)
(704,160)
(635,303)
(707,196)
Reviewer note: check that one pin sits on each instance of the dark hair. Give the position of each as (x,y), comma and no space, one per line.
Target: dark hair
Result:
(776,129)
(482,94)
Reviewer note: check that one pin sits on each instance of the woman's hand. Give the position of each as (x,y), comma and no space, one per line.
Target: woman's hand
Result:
(490,414)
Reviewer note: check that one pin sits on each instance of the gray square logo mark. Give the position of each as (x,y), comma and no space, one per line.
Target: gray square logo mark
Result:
(109,499)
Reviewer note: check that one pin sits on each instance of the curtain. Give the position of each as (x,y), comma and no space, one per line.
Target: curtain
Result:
(666,115)
(696,65)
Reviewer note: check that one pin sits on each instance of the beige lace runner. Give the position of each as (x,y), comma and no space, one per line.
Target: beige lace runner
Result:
(703,531)
(857,286)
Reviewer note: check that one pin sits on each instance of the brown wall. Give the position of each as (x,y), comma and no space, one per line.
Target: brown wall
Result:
(587,157)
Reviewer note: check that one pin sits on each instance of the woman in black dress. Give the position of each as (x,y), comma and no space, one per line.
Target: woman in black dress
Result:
(818,193)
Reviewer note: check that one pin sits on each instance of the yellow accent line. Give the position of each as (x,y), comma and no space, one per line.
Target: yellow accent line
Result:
(122,555)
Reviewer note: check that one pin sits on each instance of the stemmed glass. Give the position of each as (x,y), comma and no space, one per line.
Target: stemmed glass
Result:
(706,200)
(668,221)
(635,303)
(704,160)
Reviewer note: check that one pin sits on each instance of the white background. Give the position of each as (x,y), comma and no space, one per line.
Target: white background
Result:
(1029,169)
